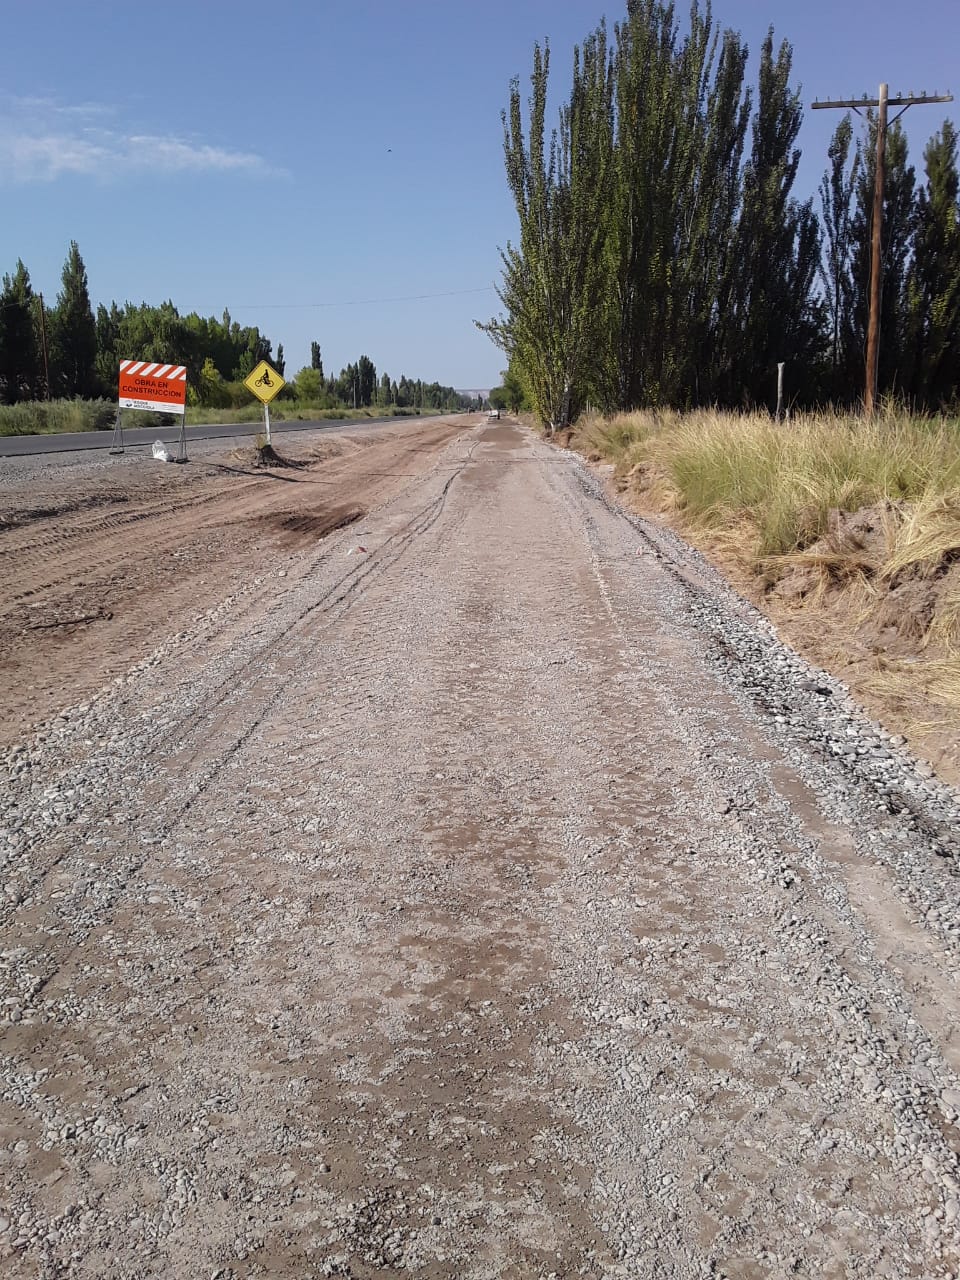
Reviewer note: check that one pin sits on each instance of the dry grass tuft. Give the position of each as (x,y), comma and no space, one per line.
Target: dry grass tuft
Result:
(829,513)
(928,537)
(927,693)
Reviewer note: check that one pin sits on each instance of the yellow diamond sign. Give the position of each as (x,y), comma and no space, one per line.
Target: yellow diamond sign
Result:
(264,382)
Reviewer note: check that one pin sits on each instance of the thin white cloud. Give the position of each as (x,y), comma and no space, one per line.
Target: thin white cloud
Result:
(45,157)
(172,155)
(39,105)
(42,140)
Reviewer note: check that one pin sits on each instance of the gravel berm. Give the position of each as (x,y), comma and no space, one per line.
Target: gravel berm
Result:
(499,900)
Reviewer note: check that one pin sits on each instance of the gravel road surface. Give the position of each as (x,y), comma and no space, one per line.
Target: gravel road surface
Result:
(501,900)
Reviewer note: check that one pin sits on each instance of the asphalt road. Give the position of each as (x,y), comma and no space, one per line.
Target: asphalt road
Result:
(70,441)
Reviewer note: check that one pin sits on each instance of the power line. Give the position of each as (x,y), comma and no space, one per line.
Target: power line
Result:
(353,302)
(356,302)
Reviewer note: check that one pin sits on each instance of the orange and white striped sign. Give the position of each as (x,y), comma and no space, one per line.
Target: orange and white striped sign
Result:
(153,386)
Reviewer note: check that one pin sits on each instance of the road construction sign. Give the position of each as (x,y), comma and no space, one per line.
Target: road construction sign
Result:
(264,382)
(145,385)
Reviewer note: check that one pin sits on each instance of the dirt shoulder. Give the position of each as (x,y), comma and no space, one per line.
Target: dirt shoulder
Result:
(101,560)
(872,647)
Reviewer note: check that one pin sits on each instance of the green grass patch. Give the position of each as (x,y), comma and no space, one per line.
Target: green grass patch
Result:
(50,417)
(47,417)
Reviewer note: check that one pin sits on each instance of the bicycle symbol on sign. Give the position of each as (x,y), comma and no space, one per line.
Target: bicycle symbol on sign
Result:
(264,379)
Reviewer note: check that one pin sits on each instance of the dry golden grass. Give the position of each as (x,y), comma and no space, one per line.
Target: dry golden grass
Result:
(946,624)
(780,502)
(785,478)
(927,693)
(928,535)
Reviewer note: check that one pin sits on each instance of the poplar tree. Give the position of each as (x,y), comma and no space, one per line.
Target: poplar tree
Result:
(73,331)
(716,198)
(681,119)
(366,380)
(646,210)
(776,245)
(837,190)
(933,283)
(653,265)
(21,363)
(553,278)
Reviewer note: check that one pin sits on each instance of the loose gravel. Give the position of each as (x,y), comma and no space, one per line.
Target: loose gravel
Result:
(500,900)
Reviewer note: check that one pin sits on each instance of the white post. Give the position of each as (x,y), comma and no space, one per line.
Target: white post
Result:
(780,391)
(266,418)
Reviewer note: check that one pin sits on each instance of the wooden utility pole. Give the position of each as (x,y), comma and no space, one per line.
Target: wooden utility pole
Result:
(876,259)
(883,102)
(43,344)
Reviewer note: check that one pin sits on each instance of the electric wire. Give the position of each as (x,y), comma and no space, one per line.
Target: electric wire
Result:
(357,302)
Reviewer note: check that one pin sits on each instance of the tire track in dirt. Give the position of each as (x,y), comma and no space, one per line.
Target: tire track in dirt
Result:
(483,928)
(229,706)
(144,587)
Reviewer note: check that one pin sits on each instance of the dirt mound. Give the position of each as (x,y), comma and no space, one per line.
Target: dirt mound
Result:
(856,544)
(900,597)
(264,455)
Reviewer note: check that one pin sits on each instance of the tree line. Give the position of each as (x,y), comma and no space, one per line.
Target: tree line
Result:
(663,258)
(67,351)
(357,385)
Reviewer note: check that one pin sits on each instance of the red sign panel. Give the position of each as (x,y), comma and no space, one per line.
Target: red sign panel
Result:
(153,386)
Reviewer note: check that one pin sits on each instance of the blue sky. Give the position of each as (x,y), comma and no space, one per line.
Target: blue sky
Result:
(269,158)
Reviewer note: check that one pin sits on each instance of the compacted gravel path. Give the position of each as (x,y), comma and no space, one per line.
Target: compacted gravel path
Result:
(500,900)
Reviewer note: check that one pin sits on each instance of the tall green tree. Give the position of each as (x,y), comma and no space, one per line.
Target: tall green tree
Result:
(658,261)
(680,123)
(777,245)
(894,365)
(712,269)
(933,282)
(514,389)
(553,278)
(316,361)
(21,363)
(346,387)
(837,190)
(73,332)
(366,380)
